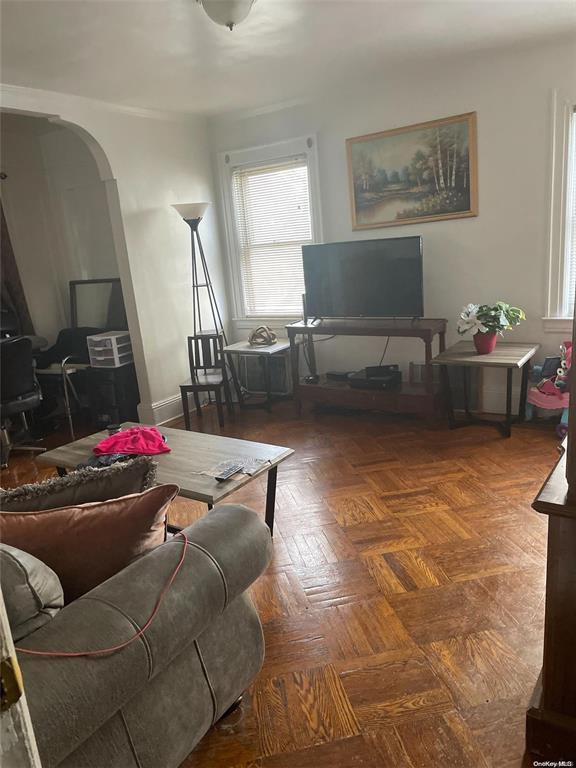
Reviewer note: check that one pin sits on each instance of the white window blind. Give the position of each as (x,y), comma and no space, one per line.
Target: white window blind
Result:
(272,217)
(570,255)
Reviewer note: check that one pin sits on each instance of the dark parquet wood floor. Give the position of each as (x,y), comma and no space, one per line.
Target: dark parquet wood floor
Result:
(403,609)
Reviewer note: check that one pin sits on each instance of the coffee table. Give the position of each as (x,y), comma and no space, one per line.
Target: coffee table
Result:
(192,453)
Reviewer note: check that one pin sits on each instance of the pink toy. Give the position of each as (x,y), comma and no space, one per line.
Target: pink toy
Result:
(553,393)
(549,400)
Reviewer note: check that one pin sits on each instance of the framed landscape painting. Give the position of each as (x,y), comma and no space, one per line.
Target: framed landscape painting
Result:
(423,172)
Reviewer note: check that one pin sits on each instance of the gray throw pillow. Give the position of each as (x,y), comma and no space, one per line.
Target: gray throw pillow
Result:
(82,487)
(32,591)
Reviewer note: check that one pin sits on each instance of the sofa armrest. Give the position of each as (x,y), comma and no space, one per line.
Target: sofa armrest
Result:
(70,698)
(238,542)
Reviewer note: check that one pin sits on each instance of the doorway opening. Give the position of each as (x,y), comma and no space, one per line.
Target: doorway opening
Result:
(55,196)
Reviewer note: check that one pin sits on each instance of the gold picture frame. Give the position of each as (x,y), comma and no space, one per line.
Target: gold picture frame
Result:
(414,174)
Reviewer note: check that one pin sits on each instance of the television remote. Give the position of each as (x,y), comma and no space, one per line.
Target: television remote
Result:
(227,470)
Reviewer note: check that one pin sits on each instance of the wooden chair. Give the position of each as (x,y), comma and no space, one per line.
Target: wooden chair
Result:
(208,374)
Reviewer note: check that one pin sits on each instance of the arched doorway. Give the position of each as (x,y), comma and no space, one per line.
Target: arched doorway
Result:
(57,214)
(63,218)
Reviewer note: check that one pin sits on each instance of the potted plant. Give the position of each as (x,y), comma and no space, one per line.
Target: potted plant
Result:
(486,321)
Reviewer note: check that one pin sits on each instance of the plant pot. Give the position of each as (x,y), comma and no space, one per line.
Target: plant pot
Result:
(485,342)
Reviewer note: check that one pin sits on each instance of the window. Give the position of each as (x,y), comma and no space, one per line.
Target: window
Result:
(562,227)
(268,200)
(570,234)
(272,216)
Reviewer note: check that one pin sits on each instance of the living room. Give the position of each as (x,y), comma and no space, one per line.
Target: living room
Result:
(415,568)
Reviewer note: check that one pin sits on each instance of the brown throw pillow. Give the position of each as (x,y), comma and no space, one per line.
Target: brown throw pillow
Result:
(88,543)
(82,486)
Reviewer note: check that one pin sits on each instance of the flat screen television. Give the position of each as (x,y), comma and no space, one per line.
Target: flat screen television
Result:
(364,278)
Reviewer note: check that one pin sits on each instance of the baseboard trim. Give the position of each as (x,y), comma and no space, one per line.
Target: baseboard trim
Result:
(161,411)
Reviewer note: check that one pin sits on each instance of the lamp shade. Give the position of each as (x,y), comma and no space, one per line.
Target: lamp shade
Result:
(228,13)
(192,211)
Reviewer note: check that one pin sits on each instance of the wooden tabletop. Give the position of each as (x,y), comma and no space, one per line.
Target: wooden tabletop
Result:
(192,453)
(506,355)
(245,348)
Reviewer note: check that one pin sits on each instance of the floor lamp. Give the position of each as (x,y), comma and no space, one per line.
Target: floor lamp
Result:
(193,213)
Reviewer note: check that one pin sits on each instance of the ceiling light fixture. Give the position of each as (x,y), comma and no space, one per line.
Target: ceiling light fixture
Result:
(228,13)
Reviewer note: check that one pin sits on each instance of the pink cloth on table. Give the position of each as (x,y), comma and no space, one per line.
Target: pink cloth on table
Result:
(144,440)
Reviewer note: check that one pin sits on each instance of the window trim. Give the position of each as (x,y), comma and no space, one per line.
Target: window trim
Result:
(253,156)
(563,106)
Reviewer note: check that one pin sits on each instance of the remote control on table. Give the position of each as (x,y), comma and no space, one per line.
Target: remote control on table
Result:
(227,470)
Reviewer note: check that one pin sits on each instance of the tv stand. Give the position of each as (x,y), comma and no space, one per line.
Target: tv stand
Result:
(424,398)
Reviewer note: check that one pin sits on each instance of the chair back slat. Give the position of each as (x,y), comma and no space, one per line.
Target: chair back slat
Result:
(206,349)
(205,352)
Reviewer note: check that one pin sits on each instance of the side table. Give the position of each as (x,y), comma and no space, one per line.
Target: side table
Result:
(507,355)
(265,355)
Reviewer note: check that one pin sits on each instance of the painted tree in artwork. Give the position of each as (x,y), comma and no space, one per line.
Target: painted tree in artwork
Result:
(363,171)
(405,176)
(382,179)
(465,166)
(436,156)
(439,142)
(445,155)
(419,167)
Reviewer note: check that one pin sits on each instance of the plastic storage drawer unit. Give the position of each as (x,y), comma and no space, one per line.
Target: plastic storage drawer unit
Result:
(110,350)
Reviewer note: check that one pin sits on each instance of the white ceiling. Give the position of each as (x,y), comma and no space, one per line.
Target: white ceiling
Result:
(167,54)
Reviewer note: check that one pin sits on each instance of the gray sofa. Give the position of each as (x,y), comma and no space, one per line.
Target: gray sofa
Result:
(148,705)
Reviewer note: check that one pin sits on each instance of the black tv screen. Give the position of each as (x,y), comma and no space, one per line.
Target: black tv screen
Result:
(364,278)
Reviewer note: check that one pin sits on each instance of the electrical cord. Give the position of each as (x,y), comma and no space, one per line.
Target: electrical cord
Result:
(314,341)
(112,649)
(385,350)
(306,358)
(326,338)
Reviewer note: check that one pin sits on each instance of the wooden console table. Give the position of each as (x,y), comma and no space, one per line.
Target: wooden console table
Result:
(424,398)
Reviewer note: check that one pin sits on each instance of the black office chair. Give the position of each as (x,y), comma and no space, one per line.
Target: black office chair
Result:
(19,392)
(9,325)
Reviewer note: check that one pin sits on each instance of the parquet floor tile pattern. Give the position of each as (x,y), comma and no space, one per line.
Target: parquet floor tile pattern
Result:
(403,609)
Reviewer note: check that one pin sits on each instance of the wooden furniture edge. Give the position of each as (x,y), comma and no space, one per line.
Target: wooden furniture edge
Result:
(551,716)
(484,361)
(426,328)
(552,498)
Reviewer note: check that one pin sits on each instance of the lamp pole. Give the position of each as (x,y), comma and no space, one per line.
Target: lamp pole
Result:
(192,213)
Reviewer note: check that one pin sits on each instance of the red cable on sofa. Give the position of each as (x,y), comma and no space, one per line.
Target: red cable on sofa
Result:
(140,632)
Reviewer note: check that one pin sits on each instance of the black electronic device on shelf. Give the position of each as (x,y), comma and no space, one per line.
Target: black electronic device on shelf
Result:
(338,375)
(383,377)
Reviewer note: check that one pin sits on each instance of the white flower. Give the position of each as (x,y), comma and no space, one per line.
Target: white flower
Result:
(468,320)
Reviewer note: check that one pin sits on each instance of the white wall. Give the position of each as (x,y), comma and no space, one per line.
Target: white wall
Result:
(35,237)
(150,160)
(80,205)
(57,215)
(501,254)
